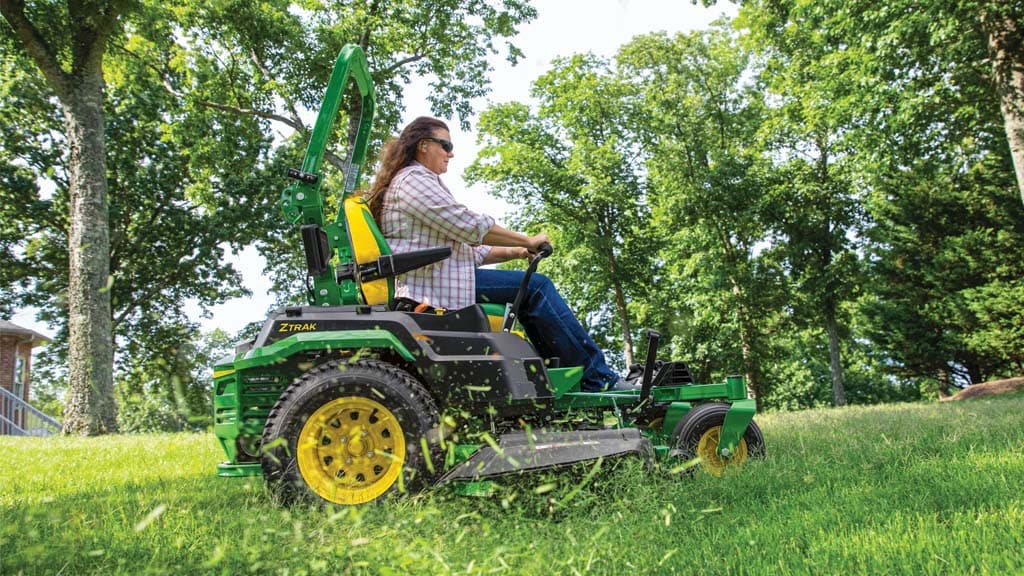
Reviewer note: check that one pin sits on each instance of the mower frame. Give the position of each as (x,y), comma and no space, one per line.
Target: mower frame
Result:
(496,376)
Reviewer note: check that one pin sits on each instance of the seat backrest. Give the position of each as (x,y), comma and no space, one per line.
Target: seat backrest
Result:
(368,244)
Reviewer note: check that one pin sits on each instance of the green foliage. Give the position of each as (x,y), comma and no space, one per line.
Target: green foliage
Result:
(946,299)
(921,131)
(148,414)
(26,110)
(721,294)
(171,388)
(196,94)
(816,81)
(570,168)
(47,396)
(275,60)
(999,334)
(922,488)
(803,374)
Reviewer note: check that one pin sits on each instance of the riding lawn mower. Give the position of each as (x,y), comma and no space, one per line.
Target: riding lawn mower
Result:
(348,400)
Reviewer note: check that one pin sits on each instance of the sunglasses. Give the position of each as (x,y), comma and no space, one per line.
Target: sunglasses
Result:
(446,145)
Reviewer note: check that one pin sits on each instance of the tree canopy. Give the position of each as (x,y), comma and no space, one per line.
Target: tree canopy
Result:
(822,196)
(121,195)
(830,211)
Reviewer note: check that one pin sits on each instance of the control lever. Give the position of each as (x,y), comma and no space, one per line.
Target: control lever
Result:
(653,337)
(543,251)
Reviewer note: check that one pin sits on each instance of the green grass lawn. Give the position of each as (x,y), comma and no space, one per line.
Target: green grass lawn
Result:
(898,489)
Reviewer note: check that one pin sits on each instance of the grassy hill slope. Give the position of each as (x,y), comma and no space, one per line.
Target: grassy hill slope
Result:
(898,489)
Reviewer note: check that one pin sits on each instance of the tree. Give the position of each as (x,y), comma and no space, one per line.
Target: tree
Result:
(697,119)
(193,92)
(571,165)
(946,303)
(68,42)
(815,82)
(940,40)
(1001,21)
(270,62)
(955,45)
(181,192)
(172,390)
(917,121)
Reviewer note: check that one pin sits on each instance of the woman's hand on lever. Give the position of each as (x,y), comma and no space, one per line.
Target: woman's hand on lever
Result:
(535,242)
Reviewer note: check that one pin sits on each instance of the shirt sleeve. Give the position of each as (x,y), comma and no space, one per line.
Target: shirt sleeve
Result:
(481,253)
(424,198)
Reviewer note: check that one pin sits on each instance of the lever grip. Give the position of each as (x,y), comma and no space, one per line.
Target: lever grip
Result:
(543,251)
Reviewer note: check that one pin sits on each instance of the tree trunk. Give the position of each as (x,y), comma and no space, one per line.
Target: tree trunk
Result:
(944,383)
(750,369)
(90,408)
(620,306)
(835,364)
(1006,47)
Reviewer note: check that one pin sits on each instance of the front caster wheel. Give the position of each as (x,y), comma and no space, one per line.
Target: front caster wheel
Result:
(697,434)
(349,433)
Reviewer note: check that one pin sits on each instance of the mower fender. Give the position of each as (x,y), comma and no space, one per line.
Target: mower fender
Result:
(676,411)
(329,340)
(739,416)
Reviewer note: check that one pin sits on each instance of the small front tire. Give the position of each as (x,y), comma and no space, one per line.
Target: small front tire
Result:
(696,438)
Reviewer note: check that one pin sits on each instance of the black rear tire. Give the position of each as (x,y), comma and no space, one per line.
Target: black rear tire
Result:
(350,432)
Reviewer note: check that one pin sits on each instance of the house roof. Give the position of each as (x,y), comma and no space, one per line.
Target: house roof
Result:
(12,328)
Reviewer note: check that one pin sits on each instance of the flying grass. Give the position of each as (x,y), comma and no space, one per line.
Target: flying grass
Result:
(898,489)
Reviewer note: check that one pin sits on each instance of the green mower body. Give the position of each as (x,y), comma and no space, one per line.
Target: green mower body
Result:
(348,400)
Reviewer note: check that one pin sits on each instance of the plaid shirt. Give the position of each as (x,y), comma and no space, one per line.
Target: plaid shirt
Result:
(420,212)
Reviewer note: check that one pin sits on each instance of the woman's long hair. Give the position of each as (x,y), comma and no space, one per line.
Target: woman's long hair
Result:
(398,154)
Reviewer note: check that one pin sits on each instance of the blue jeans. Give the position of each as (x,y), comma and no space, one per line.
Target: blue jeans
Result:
(549,323)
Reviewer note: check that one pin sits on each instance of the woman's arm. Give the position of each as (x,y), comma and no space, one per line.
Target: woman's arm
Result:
(424,198)
(500,236)
(427,200)
(499,254)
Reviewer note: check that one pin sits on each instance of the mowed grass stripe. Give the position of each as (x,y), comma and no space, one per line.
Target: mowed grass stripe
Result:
(896,489)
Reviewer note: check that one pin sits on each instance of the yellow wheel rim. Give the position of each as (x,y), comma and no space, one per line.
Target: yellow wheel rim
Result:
(710,460)
(351,450)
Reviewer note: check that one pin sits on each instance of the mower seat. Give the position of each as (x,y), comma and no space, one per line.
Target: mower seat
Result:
(368,244)
(468,319)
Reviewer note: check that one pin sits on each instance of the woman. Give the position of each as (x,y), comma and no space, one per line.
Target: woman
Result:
(416,211)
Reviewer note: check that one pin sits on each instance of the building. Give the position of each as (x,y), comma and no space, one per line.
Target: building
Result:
(17,416)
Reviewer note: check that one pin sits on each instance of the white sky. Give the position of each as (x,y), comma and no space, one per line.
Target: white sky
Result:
(562,28)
